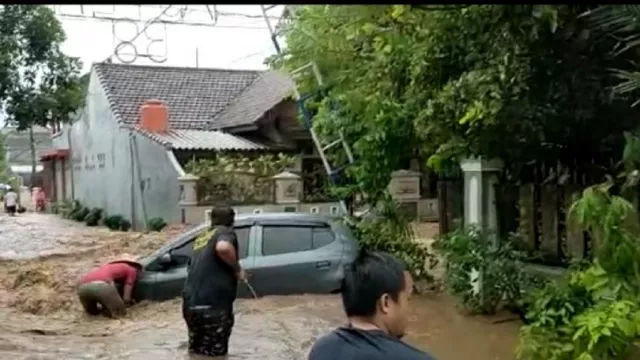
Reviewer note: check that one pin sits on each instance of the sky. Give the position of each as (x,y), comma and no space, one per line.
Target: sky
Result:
(237,39)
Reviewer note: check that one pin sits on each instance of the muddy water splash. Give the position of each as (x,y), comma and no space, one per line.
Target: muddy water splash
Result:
(269,328)
(40,317)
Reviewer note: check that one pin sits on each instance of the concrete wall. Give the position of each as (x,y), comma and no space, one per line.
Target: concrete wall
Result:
(427,210)
(197,214)
(104,165)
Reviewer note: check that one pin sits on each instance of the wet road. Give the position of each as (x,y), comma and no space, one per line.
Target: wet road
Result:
(275,328)
(40,318)
(30,235)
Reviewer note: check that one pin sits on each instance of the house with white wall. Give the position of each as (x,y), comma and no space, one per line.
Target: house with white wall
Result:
(141,124)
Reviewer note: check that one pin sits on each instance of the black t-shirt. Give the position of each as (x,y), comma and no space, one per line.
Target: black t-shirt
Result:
(355,344)
(210,280)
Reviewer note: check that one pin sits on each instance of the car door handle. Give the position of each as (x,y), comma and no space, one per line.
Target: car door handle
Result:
(323,265)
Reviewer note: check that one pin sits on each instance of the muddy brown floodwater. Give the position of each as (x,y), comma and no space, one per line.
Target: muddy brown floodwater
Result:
(40,318)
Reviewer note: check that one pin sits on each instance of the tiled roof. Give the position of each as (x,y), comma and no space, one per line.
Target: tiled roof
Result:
(266,92)
(196,98)
(201,140)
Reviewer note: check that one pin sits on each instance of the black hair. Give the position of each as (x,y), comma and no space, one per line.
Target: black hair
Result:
(222,215)
(371,275)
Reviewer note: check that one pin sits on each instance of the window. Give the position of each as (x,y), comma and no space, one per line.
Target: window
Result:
(322,236)
(243,241)
(182,254)
(289,239)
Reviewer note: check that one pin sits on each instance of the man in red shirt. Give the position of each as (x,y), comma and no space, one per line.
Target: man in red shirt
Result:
(97,290)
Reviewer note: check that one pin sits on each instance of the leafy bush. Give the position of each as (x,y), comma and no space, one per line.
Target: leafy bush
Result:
(93,217)
(595,313)
(113,222)
(474,259)
(391,232)
(238,178)
(125,225)
(79,215)
(70,210)
(157,224)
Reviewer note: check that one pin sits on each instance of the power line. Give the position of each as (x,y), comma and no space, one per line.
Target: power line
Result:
(211,11)
(248,56)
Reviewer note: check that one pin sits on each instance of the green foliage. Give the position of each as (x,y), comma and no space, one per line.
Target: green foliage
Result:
(4,169)
(238,178)
(483,273)
(93,217)
(81,214)
(39,85)
(71,209)
(391,232)
(620,23)
(595,313)
(125,225)
(113,222)
(514,82)
(157,224)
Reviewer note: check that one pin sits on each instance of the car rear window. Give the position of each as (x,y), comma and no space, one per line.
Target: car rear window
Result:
(278,239)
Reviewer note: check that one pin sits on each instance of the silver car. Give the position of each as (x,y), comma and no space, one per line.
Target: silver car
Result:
(283,253)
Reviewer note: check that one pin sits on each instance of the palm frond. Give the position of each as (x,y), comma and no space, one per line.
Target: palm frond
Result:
(616,19)
(630,82)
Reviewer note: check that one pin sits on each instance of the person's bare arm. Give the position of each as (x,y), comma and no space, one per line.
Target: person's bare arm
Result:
(128,285)
(228,254)
(126,296)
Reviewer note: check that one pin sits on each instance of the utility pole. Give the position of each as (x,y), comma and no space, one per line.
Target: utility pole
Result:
(197,58)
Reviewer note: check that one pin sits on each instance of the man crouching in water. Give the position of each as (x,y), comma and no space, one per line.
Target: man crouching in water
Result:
(97,290)
(211,286)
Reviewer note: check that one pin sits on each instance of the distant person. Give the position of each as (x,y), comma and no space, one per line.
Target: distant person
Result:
(11,202)
(98,292)
(211,286)
(375,295)
(40,198)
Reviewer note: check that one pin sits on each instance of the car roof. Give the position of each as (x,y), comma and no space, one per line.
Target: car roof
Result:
(283,216)
(275,216)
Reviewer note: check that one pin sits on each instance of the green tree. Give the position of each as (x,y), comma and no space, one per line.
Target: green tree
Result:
(524,83)
(39,84)
(620,23)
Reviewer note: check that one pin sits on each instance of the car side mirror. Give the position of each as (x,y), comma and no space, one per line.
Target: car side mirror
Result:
(164,259)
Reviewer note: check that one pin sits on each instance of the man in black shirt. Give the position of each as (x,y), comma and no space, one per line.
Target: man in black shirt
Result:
(375,295)
(211,286)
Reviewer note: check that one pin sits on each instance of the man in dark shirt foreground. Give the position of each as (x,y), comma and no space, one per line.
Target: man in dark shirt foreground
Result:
(375,295)
(211,285)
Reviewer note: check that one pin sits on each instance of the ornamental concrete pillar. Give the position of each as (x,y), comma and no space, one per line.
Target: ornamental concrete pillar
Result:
(288,188)
(188,193)
(480,178)
(405,186)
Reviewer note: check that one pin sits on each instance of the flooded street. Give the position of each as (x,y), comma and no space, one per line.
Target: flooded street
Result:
(41,319)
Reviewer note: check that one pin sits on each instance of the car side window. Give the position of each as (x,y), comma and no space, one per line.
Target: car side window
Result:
(285,239)
(289,239)
(322,236)
(242,233)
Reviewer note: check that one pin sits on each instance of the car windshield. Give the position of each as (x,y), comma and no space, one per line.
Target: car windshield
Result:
(189,232)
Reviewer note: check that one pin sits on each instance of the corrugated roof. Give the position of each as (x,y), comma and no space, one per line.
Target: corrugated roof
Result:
(202,140)
(196,98)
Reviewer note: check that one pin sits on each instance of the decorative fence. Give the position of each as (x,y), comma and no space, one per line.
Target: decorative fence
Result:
(535,210)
